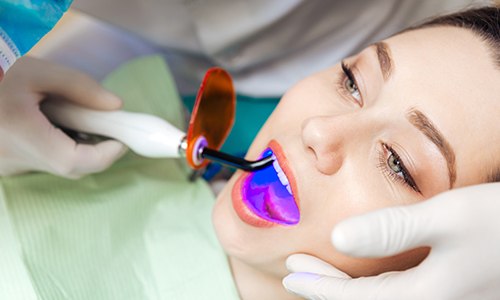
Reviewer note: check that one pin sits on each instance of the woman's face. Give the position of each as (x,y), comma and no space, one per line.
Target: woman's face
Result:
(406,119)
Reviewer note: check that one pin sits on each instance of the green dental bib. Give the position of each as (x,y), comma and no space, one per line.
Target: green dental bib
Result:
(139,230)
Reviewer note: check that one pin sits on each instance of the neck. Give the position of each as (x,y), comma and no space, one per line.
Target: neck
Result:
(253,284)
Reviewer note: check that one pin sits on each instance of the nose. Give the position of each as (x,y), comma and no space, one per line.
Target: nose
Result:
(325,138)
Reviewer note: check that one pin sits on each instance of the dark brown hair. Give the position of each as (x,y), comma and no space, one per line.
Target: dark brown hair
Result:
(485,23)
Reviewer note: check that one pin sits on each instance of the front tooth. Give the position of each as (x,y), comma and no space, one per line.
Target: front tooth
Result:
(283,179)
(289,189)
(280,173)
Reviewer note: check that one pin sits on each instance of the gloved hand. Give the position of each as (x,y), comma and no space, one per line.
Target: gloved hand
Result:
(29,142)
(462,226)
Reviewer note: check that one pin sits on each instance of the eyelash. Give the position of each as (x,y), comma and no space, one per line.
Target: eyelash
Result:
(405,177)
(348,75)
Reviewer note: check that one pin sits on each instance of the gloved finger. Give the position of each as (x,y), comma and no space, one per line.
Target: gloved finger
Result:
(394,285)
(389,231)
(73,85)
(95,158)
(62,156)
(307,263)
(59,154)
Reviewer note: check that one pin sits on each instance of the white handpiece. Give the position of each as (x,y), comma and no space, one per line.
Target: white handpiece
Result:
(145,134)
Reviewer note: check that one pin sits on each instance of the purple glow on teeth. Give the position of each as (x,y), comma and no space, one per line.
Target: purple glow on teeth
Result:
(267,192)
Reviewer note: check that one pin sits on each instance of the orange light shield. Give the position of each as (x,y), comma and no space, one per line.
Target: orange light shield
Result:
(213,115)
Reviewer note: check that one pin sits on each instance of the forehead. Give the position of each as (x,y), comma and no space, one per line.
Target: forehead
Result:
(449,73)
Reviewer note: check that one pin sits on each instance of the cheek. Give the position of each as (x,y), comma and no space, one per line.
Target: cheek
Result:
(353,197)
(309,97)
(317,243)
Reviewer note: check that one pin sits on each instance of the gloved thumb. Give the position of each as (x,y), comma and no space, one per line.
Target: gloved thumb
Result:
(307,263)
(388,231)
(96,158)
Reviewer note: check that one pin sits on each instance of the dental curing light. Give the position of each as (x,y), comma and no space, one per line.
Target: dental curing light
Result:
(150,136)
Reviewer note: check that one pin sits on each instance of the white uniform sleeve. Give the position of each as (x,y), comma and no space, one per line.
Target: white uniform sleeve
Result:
(266,45)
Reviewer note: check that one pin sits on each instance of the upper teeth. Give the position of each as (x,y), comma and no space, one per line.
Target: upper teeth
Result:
(281,175)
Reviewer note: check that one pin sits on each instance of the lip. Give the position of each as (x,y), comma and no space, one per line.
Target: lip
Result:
(244,209)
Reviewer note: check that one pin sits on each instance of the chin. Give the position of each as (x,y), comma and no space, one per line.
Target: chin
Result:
(251,245)
(225,224)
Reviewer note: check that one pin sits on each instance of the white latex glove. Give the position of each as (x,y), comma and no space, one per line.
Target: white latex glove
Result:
(29,142)
(463,228)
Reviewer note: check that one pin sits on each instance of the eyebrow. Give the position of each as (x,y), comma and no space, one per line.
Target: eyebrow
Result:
(416,117)
(384,58)
(424,124)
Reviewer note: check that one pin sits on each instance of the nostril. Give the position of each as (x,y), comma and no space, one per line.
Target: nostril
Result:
(323,143)
(312,152)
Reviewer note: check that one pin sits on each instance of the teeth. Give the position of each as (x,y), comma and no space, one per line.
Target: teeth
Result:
(281,175)
(283,179)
